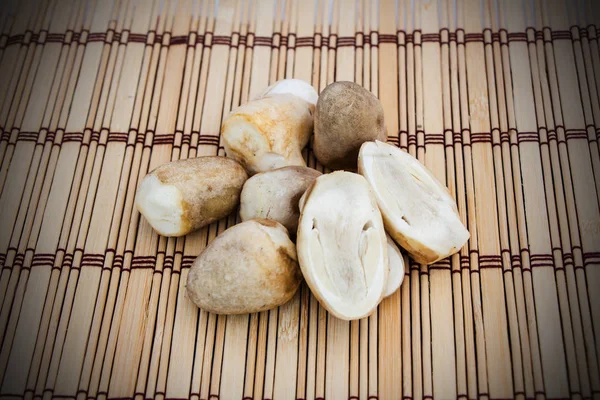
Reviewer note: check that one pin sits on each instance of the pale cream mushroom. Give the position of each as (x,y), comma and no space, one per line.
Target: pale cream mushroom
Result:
(342,246)
(395,268)
(417,209)
(275,195)
(182,196)
(269,132)
(251,267)
(296,87)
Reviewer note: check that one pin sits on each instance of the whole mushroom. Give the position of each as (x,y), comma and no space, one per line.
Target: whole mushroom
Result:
(347,115)
(182,196)
(270,132)
(275,195)
(251,267)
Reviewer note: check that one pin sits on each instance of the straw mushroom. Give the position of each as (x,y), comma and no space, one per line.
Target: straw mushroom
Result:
(251,267)
(269,132)
(342,246)
(395,268)
(347,115)
(417,209)
(182,196)
(296,87)
(275,195)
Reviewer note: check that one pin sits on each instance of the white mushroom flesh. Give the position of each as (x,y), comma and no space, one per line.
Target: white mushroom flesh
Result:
(342,246)
(395,268)
(296,87)
(418,210)
(160,203)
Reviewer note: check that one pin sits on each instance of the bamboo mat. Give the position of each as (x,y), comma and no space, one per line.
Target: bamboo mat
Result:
(499,98)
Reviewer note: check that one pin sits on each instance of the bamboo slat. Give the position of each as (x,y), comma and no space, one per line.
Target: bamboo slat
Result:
(16,68)
(74,324)
(510,209)
(497,110)
(499,99)
(440,279)
(40,157)
(570,125)
(124,113)
(464,190)
(471,278)
(143,284)
(30,102)
(6,20)
(10,199)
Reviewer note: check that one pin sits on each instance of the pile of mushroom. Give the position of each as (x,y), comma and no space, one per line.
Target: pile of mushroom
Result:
(339,231)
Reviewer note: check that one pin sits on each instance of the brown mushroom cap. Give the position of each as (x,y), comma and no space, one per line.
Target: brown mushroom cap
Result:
(346,116)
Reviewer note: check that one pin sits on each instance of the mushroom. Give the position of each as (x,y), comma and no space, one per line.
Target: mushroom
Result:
(275,195)
(417,209)
(269,132)
(250,267)
(341,243)
(296,87)
(347,115)
(182,196)
(395,268)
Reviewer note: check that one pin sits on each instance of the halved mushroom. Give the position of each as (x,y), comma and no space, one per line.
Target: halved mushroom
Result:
(275,195)
(417,209)
(395,268)
(341,244)
(296,87)
(269,132)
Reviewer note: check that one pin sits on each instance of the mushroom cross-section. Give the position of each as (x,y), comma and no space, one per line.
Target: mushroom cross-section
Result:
(396,268)
(341,244)
(417,209)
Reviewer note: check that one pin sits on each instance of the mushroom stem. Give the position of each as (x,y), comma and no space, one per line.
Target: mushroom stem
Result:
(269,132)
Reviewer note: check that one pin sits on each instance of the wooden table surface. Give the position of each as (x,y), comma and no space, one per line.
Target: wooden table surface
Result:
(499,98)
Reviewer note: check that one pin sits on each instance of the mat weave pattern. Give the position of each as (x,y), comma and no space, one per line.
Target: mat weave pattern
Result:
(499,98)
